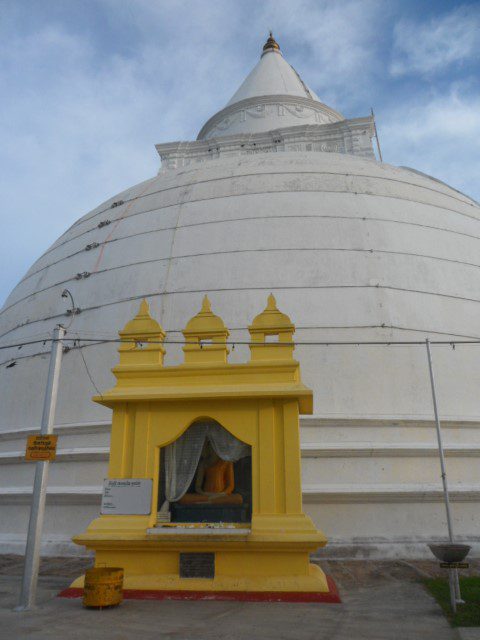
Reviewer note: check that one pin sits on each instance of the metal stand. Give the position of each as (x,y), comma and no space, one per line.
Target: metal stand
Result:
(455,595)
(37,511)
(458,595)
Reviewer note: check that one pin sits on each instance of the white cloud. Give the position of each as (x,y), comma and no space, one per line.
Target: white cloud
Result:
(435,136)
(333,44)
(81,126)
(74,136)
(428,47)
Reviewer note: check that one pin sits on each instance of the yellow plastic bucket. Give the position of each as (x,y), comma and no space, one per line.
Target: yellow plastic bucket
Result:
(103,587)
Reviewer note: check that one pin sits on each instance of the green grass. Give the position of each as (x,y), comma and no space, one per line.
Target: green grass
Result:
(468,614)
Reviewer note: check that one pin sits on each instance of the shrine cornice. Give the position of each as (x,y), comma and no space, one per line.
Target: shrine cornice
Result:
(254,391)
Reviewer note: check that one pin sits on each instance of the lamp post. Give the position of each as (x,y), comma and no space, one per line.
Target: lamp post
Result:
(440,443)
(439,550)
(37,510)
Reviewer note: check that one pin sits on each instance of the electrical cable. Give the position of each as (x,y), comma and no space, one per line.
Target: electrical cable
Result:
(313,287)
(88,372)
(238,251)
(340,343)
(299,343)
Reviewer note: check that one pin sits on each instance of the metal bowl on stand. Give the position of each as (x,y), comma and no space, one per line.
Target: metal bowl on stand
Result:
(450,552)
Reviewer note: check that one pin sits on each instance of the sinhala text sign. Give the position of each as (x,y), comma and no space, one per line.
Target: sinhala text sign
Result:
(126,496)
(41,448)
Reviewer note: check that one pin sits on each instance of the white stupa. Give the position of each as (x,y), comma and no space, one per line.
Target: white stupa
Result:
(280,193)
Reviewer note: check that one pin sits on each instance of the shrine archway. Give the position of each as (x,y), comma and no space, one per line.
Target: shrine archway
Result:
(205,476)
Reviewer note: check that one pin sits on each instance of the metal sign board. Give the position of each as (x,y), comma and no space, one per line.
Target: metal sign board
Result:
(127,496)
(41,448)
(454,565)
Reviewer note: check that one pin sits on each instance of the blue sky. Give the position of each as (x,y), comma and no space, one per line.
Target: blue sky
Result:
(89,86)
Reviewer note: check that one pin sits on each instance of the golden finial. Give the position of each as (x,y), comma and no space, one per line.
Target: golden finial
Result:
(144,309)
(271,43)
(271,303)
(206,306)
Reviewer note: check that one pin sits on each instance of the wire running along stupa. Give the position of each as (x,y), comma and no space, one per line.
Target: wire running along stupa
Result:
(279,193)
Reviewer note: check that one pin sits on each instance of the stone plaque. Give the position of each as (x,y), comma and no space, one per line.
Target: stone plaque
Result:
(197,565)
(127,496)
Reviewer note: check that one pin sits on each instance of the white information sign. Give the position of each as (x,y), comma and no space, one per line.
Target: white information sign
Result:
(126,497)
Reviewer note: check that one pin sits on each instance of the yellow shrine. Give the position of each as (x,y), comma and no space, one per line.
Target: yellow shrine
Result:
(219,445)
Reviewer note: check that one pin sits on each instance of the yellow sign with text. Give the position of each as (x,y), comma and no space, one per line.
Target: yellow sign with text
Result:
(41,448)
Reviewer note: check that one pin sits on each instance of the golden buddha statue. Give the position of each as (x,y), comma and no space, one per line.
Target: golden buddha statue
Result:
(214,481)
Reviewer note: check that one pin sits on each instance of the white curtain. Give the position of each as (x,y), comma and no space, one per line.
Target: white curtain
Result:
(183,455)
(181,460)
(226,446)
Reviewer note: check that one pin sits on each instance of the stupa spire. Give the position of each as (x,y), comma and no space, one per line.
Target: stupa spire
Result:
(272,76)
(272,96)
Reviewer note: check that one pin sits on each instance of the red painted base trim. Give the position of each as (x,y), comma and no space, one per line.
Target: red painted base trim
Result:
(241,596)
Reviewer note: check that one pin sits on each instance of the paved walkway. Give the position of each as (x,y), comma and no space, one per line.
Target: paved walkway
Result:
(381,600)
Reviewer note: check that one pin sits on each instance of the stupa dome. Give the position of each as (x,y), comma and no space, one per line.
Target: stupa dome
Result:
(279,194)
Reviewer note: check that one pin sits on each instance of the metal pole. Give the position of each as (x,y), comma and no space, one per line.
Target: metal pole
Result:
(454,583)
(440,444)
(37,510)
(453,596)
(376,136)
(458,595)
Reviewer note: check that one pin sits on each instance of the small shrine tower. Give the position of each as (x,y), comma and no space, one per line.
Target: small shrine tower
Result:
(213,451)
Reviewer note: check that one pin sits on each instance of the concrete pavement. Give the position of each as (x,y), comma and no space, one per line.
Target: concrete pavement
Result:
(383,601)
